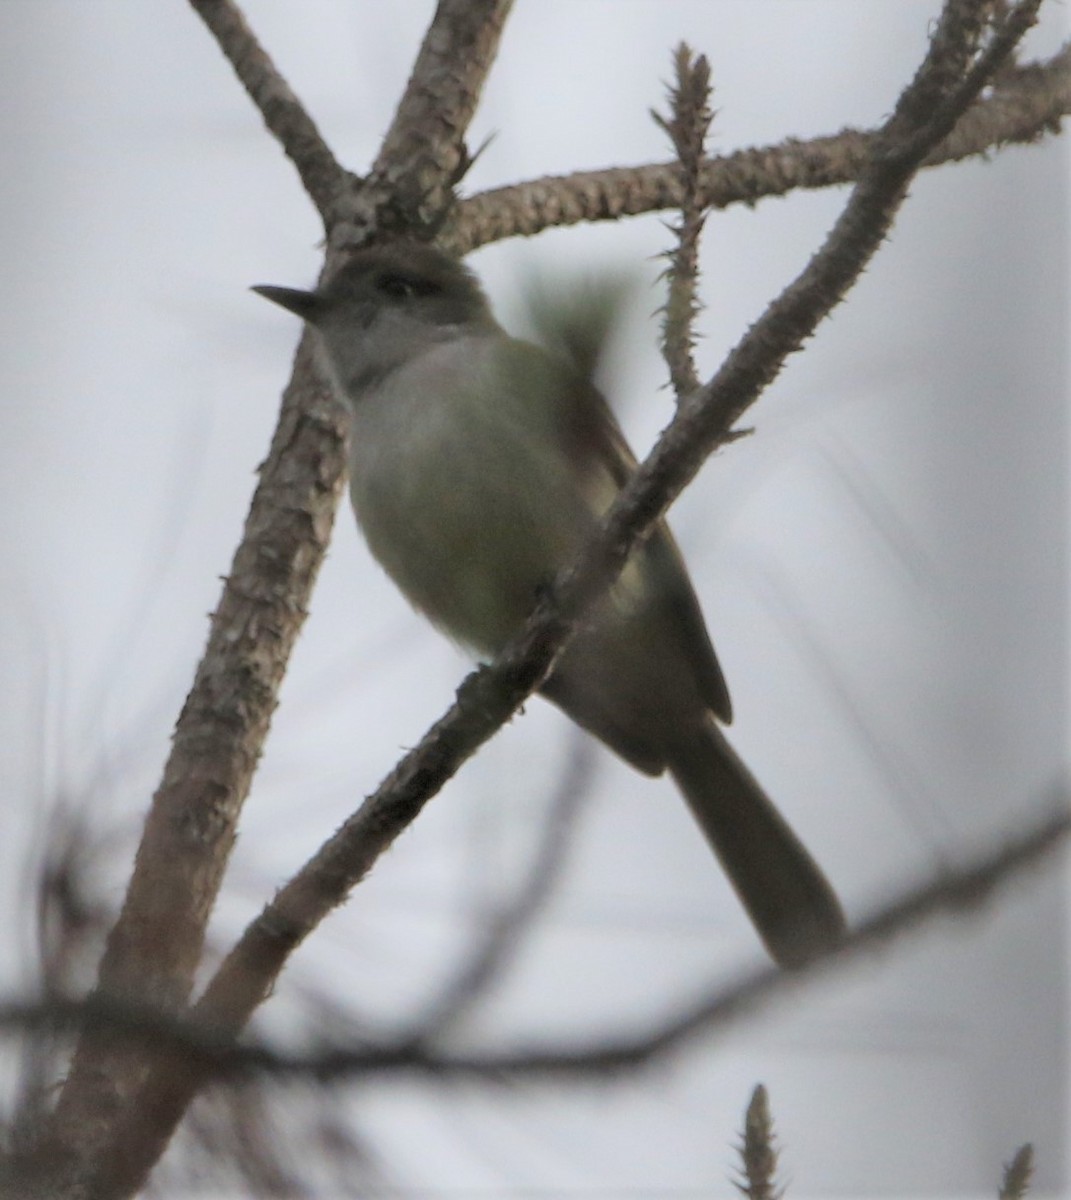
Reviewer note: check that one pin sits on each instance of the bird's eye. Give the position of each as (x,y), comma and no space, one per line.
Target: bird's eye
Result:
(406,287)
(397,287)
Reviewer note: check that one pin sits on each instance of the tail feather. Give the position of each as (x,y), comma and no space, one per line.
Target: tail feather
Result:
(782,888)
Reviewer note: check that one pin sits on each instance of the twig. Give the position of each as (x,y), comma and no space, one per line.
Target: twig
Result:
(208,1051)
(321,175)
(423,155)
(505,932)
(758,1154)
(687,126)
(1017,1174)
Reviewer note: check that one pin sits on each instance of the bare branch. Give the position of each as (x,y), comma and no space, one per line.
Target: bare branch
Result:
(687,127)
(321,175)
(1026,103)
(424,153)
(963,890)
(506,929)
(758,1154)
(1017,1174)
(155,945)
(202,1051)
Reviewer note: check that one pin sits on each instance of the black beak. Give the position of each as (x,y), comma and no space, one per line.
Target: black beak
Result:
(309,306)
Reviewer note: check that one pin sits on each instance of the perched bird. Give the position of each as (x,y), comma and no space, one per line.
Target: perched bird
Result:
(478,465)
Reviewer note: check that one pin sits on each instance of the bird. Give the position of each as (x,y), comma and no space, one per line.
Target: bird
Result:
(479,464)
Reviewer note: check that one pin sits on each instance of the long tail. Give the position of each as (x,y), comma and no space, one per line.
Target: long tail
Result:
(783,889)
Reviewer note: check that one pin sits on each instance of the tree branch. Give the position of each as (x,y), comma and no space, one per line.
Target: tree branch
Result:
(687,126)
(424,154)
(155,945)
(1026,103)
(505,931)
(284,114)
(758,1152)
(1016,1179)
(210,1052)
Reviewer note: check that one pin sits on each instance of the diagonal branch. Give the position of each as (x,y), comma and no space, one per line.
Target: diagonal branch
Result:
(1025,103)
(424,153)
(962,890)
(505,933)
(284,114)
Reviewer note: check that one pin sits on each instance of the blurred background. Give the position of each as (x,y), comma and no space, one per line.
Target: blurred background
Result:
(883,567)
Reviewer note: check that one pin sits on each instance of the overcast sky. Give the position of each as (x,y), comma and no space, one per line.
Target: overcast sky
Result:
(883,569)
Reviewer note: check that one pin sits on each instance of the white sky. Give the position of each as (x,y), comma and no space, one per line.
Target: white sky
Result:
(882,566)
